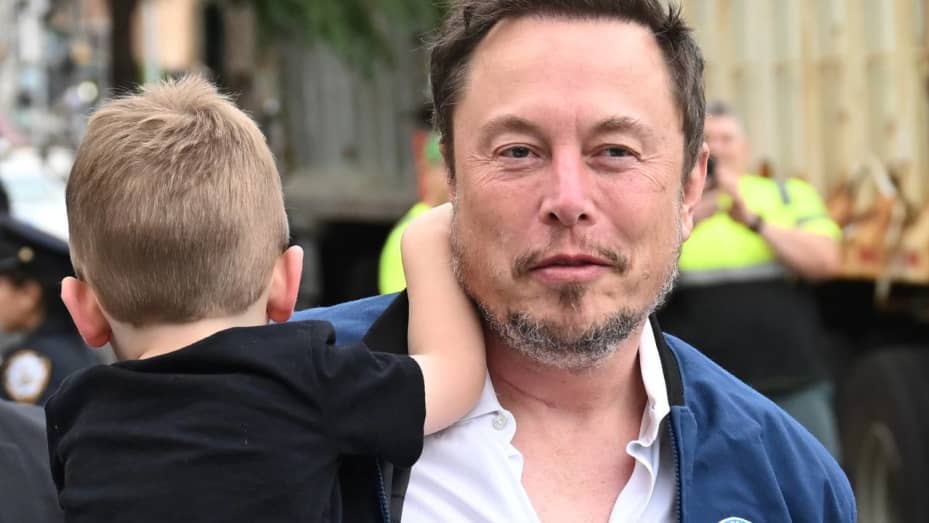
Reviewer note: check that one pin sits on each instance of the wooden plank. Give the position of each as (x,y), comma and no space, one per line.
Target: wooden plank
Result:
(879,71)
(748,48)
(812,106)
(908,96)
(920,63)
(758,57)
(857,146)
(710,28)
(832,30)
(789,131)
(717,15)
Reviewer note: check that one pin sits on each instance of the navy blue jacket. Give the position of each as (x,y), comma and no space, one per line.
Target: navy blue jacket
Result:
(737,455)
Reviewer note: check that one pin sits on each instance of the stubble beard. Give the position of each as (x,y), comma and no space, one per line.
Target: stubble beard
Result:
(555,345)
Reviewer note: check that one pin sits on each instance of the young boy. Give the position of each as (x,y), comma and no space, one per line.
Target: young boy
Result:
(179,241)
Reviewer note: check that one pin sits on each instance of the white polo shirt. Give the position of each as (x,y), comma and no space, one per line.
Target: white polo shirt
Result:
(471,472)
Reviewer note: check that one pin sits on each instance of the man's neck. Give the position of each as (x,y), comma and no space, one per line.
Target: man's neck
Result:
(136,343)
(613,385)
(572,427)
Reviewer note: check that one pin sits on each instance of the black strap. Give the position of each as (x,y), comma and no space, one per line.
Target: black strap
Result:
(669,366)
(785,194)
(397,485)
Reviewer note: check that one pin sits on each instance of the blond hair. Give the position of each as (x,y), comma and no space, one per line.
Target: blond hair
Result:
(175,206)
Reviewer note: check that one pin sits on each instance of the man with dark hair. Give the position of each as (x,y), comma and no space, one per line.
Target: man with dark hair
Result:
(573,134)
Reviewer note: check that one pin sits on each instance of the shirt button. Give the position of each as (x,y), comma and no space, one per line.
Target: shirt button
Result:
(499,422)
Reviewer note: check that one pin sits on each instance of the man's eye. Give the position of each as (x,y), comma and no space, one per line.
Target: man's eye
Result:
(517,152)
(616,152)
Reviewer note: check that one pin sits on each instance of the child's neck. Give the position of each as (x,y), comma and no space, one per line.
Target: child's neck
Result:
(137,343)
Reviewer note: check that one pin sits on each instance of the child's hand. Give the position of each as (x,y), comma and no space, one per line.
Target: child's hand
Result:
(427,237)
(445,335)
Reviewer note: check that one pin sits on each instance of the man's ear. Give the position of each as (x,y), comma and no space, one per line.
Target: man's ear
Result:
(285,284)
(692,191)
(85,311)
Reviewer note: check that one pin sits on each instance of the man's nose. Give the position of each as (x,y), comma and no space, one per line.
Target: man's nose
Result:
(570,198)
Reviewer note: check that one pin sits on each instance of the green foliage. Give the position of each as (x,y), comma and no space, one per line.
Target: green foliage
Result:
(356,29)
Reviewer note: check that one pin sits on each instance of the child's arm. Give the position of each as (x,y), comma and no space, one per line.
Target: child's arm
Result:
(445,334)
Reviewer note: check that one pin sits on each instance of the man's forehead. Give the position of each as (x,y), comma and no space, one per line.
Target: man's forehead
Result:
(528,58)
(522,32)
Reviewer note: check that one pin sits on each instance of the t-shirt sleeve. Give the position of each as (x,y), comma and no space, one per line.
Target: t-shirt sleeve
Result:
(372,403)
(810,213)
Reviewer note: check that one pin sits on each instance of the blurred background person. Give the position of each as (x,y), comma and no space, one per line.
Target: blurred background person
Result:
(32,265)
(26,489)
(738,297)
(432,187)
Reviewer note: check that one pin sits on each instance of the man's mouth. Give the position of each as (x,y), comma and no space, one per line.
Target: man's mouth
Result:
(571,268)
(568,260)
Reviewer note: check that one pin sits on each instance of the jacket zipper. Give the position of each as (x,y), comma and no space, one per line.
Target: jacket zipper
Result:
(677,473)
(384,502)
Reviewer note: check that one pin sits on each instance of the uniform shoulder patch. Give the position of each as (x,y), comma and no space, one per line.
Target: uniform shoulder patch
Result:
(26,374)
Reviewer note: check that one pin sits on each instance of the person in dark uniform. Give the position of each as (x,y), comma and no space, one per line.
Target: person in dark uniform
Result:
(26,489)
(32,265)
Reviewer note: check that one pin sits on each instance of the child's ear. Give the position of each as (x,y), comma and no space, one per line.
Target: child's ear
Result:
(86,313)
(285,284)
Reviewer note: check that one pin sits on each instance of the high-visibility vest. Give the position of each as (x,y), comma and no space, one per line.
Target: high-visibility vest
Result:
(390,269)
(720,249)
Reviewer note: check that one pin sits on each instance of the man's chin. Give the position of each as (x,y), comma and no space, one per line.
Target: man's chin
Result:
(574,317)
(567,330)
(569,341)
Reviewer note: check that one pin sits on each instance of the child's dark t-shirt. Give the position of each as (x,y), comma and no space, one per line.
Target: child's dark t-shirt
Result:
(246,425)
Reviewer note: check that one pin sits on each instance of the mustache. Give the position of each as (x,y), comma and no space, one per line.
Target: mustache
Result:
(616,260)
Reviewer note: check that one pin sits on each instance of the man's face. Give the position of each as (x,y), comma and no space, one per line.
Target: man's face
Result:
(727,141)
(569,204)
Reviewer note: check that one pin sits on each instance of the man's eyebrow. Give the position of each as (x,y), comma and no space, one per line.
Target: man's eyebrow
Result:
(517,124)
(623,124)
(506,123)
